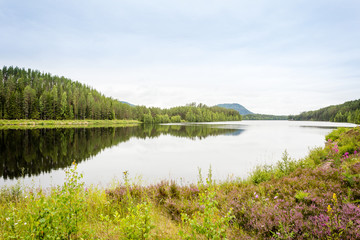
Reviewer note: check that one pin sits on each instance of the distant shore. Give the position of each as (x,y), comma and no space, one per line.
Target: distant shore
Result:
(28,123)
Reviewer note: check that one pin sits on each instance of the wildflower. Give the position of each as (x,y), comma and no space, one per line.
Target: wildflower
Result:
(25,223)
(275,197)
(256,196)
(334,198)
(355,152)
(329,209)
(7,219)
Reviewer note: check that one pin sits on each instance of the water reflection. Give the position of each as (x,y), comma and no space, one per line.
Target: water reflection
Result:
(34,151)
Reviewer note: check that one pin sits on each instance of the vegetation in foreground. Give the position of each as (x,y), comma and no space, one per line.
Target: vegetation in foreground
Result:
(316,197)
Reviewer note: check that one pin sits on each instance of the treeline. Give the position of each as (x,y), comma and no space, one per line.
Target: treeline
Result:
(30,94)
(346,112)
(264,117)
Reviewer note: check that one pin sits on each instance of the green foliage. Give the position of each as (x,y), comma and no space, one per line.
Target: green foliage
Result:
(175,119)
(134,220)
(346,112)
(137,223)
(348,140)
(315,157)
(300,196)
(267,172)
(207,222)
(285,166)
(57,216)
(262,174)
(335,135)
(264,117)
(148,119)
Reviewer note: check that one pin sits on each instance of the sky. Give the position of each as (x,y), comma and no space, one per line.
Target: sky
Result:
(273,57)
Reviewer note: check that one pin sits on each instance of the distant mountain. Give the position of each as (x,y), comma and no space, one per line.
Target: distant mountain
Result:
(235,106)
(127,103)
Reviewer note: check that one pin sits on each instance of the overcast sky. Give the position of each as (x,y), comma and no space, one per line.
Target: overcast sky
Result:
(274,57)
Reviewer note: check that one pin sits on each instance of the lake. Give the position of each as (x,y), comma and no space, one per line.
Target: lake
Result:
(37,157)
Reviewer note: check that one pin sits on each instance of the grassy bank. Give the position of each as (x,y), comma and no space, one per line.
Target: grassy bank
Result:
(317,197)
(64,123)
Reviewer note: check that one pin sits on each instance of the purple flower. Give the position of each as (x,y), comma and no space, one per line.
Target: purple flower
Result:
(275,197)
(256,196)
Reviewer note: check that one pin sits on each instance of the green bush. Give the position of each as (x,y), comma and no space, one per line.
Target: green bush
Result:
(335,135)
(300,196)
(262,174)
(207,223)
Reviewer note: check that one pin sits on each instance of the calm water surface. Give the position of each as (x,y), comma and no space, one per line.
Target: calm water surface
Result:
(153,153)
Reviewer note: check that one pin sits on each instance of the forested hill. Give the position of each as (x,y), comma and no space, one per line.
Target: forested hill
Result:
(30,94)
(241,109)
(346,112)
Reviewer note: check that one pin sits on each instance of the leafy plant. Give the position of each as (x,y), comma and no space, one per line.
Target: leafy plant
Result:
(300,196)
(137,223)
(207,223)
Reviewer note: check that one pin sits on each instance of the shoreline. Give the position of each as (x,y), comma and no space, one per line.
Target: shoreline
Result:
(24,124)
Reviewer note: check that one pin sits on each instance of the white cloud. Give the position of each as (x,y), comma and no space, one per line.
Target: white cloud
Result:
(275,57)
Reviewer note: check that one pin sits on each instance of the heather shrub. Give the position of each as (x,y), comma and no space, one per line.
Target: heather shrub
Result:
(339,221)
(281,208)
(161,192)
(174,190)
